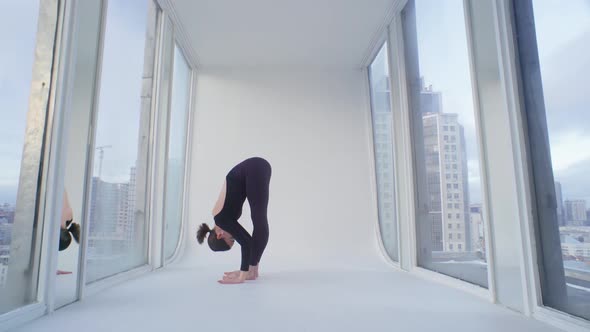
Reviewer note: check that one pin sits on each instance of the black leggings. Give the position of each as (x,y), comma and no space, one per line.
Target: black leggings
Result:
(258,173)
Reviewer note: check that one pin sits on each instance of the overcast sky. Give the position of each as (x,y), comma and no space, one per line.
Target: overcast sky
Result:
(120,89)
(118,121)
(18,25)
(563,29)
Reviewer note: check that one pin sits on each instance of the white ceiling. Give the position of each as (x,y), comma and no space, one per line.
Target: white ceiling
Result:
(270,33)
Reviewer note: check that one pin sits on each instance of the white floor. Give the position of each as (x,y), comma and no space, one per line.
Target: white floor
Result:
(186,297)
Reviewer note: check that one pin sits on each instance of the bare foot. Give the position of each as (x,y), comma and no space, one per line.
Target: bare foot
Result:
(251,275)
(238,279)
(60,272)
(254,271)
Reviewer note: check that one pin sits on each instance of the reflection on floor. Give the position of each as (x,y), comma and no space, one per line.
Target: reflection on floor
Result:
(187,298)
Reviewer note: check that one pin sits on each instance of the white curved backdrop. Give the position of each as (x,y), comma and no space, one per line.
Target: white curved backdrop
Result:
(312,127)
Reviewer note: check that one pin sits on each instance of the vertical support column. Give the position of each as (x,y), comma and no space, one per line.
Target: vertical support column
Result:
(139,177)
(502,155)
(25,245)
(423,221)
(163,85)
(550,260)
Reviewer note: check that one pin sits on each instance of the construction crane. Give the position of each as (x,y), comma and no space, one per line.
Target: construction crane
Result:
(101,157)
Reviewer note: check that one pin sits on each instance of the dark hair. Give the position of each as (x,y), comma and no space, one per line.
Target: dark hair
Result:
(214,243)
(65,239)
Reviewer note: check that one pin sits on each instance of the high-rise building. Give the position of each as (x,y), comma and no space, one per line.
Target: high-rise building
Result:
(477,228)
(5,239)
(446,171)
(3,275)
(4,257)
(560,208)
(5,232)
(575,212)
(430,100)
(111,217)
(130,231)
(383,148)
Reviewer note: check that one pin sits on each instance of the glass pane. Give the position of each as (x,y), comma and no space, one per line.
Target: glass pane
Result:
(18,31)
(563,42)
(85,61)
(450,223)
(177,136)
(383,147)
(118,231)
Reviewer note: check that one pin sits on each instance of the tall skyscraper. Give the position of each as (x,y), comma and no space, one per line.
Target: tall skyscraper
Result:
(383,147)
(576,212)
(6,223)
(5,232)
(477,228)
(560,208)
(430,100)
(3,275)
(111,220)
(446,171)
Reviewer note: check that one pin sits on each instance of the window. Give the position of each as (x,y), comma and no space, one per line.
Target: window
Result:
(119,179)
(554,69)
(454,166)
(382,117)
(448,99)
(458,216)
(450,236)
(459,237)
(446,138)
(451,246)
(446,128)
(458,226)
(178,122)
(20,163)
(450,225)
(450,205)
(449,186)
(459,247)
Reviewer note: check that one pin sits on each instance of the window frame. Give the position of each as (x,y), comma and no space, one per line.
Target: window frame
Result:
(381,41)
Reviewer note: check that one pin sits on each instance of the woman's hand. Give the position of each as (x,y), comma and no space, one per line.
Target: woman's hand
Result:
(238,278)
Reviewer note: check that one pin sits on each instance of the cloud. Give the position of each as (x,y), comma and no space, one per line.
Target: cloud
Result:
(565,72)
(568,149)
(120,91)
(18,28)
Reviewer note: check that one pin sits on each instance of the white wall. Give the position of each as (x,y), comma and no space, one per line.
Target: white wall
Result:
(312,128)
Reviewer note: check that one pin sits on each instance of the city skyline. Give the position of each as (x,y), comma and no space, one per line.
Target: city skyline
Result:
(555,33)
